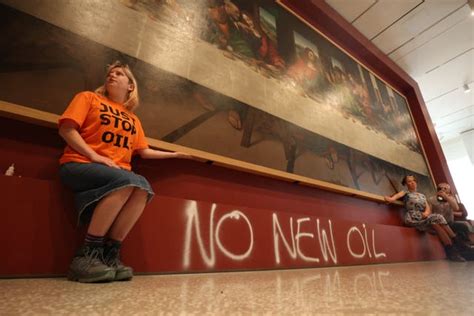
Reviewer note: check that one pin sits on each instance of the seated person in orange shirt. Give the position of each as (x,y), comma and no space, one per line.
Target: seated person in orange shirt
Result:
(102,133)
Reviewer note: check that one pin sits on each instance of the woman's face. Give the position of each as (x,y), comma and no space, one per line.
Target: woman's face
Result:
(117,81)
(411,183)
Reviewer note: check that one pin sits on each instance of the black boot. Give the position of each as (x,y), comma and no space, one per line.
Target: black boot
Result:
(112,259)
(453,254)
(88,266)
(461,245)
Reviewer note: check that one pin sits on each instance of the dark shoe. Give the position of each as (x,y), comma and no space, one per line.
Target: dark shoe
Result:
(453,255)
(88,266)
(461,245)
(465,249)
(112,259)
(468,255)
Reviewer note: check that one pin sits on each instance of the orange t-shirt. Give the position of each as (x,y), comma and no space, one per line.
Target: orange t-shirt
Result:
(107,127)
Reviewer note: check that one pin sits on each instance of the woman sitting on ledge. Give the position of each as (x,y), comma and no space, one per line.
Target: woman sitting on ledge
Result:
(102,133)
(418,214)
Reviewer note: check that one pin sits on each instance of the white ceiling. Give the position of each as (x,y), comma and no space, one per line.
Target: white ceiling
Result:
(433,41)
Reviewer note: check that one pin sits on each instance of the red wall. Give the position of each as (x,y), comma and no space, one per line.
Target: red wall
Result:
(179,235)
(40,235)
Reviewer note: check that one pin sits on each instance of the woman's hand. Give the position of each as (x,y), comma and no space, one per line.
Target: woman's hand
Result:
(388,199)
(393,198)
(148,153)
(427,211)
(103,160)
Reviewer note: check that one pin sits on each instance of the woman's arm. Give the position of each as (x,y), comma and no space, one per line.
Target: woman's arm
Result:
(454,205)
(68,131)
(394,197)
(427,210)
(149,153)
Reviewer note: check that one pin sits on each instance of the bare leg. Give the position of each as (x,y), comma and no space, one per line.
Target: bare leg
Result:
(445,239)
(129,214)
(449,231)
(106,211)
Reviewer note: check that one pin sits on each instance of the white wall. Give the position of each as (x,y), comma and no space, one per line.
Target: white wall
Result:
(462,169)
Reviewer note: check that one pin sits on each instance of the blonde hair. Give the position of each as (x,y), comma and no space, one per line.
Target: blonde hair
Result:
(133,100)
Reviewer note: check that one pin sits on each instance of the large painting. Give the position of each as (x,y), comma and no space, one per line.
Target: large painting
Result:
(243,81)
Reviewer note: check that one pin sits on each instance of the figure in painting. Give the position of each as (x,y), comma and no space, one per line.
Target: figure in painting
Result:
(228,22)
(305,70)
(262,45)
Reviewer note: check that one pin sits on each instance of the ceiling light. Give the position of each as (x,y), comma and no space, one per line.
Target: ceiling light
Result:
(471,5)
(466,88)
